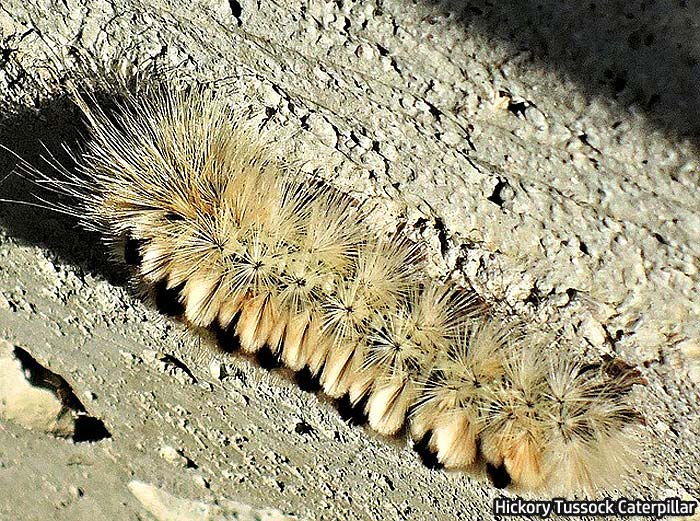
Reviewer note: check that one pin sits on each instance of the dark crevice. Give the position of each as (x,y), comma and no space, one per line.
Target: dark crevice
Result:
(87,428)
(383,51)
(517,108)
(534,297)
(442,236)
(659,238)
(583,138)
(497,196)
(171,360)
(303,428)
(189,463)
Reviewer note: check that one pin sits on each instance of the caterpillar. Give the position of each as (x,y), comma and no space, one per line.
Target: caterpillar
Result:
(220,233)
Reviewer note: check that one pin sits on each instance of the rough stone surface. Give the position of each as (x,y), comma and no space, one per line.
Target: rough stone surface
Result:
(28,405)
(545,155)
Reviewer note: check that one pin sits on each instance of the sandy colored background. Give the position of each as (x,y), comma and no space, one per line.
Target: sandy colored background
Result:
(545,152)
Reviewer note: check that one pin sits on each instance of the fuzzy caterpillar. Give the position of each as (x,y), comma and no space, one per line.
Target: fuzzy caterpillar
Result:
(213,226)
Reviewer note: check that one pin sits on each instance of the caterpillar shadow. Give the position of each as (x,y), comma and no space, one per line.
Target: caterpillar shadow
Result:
(29,211)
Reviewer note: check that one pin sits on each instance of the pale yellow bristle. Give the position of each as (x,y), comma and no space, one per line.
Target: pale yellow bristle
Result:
(299,334)
(318,351)
(362,382)
(256,322)
(523,461)
(388,404)
(203,297)
(338,369)
(156,259)
(231,304)
(454,439)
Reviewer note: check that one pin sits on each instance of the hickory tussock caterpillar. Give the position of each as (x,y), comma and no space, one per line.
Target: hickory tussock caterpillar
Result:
(211,224)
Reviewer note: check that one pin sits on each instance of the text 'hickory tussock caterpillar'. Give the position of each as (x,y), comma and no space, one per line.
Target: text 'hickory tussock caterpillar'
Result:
(193,200)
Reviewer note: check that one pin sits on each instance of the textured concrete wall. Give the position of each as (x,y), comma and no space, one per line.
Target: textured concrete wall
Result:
(546,154)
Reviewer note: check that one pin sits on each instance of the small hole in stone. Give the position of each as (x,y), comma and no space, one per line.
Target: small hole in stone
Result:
(88,428)
(303,428)
(496,196)
(517,108)
(659,238)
